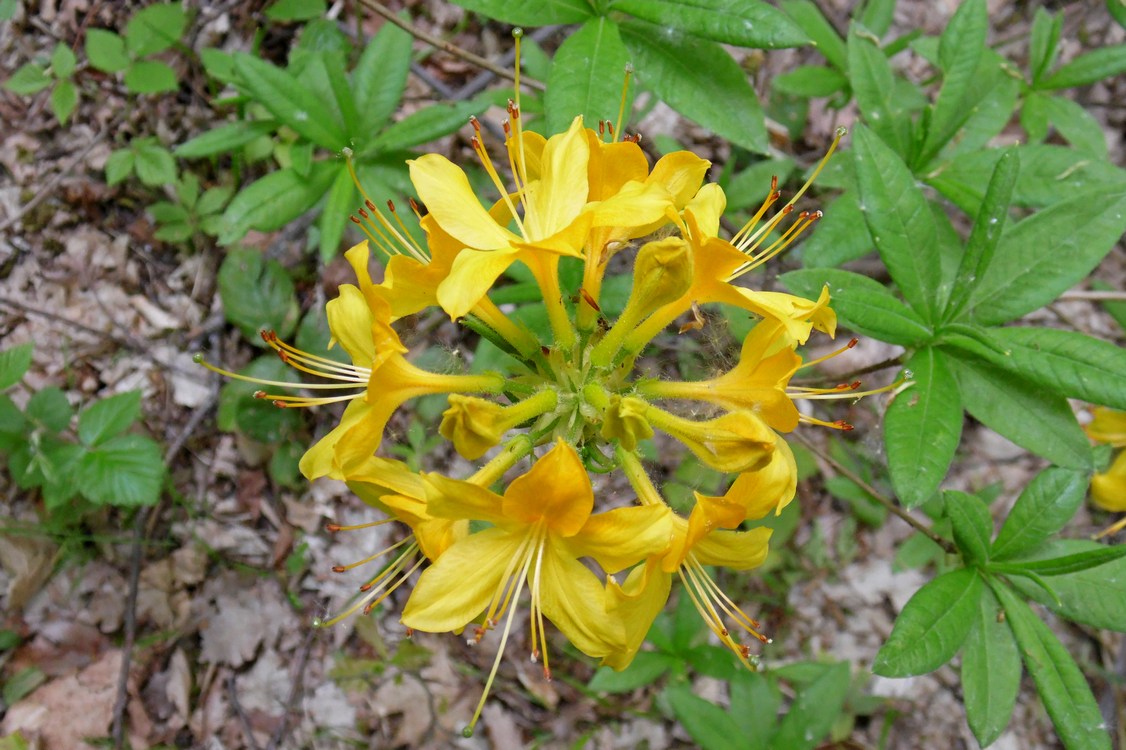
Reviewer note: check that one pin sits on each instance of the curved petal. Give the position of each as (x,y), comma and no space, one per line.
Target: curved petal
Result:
(1108,426)
(636,603)
(349,320)
(771,488)
(559,195)
(445,191)
(556,489)
(458,587)
(573,599)
(623,537)
(1108,490)
(612,165)
(319,461)
(636,204)
(739,550)
(681,172)
(453,498)
(703,212)
(472,274)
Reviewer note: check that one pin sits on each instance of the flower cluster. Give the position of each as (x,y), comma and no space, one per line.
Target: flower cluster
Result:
(572,403)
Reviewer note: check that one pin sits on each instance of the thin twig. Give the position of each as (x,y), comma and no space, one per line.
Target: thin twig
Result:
(294,691)
(49,188)
(1094,296)
(130,631)
(453,49)
(889,362)
(232,692)
(879,497)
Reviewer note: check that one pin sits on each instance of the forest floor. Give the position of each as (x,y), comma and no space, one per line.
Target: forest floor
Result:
(209,594)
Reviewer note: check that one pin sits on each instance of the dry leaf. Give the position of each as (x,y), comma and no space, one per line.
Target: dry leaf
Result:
(28,562)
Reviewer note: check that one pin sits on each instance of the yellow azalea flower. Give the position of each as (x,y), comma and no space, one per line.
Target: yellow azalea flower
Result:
(737,441)
(1108,490)
(705,538)
(542,524)
(1108,426)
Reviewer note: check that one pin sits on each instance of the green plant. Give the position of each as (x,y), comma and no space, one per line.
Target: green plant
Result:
(97,463)
(150,31)
(193,213)
(57,73)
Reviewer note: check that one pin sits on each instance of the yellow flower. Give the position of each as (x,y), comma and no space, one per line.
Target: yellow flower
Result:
(737,441)
(542,525)
(1108,489)
(1108,426)
(474,425)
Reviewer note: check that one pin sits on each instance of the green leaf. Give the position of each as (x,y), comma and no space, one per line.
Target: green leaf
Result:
(257,294)
(154,163)
(106,51)
(1048,174)
(64,98)
(1044,507)
(1014,408)
(225,138)
(582,80)
(63,61)
(922,428)
(108,417)
(1117,10)
(219,65)
(14,362)
(50,408)
(1065,565)
(988,227)
(275,200)
(13,426)
(119,165)
(1088,68)
(814,710)
(126,471)
(1065,362)
(380,77)
(900,221)
(643,671)
(877,16)
(708,724)
(699,79)
(326,74)
(971,523)
(809,18)
(425,125)
(334,218)
(286,99)
(862,305)
(839,237)
(213,200)
(28,79)
(874,86)
(1043,45)
(932,626)
(1095,596)
(744,23)
(990,672)
(1048,253)
(150,77)
(1062,687)
(296,10)
(531,12)
(1077,125)
(155,28)
(959,53)
(810,81)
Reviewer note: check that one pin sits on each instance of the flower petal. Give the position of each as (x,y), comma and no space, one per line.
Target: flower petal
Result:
(349,320)
(636,603)
(454,498)
(319,461)
(561,192)
(473,273)
(681,172)
(458,587)
(739,550)
(623,537)
(445,191)
(556,490)
(573,599)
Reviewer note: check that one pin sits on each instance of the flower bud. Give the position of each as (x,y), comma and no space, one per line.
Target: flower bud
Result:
(624,420)
(662,273)
(474,425)
(736,442)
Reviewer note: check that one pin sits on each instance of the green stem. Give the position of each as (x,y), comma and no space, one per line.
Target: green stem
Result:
(632,467)
(491,472)
(546,271)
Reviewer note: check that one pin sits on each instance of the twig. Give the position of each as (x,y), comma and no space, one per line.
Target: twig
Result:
(54,181)
(879,497)
(130,631)
(1094,296)
(453,49)
(232,692)
(294,691)
(889,362)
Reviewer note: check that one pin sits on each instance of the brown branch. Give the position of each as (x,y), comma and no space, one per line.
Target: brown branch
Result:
(294,691)
(1094,296)
(879,497)
(440,43)
(130,631)
(232,692)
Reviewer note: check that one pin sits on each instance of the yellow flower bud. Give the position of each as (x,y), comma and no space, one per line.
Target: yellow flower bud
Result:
(474,425)
(736,442)
(662,273)
(624,420)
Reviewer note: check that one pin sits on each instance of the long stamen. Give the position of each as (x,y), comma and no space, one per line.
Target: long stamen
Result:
(522,577)
(851,343)
(622,104)
(382,585)
(376,556)
(804,222)
(539,633)
(767,202)
(394,242)
(482,154)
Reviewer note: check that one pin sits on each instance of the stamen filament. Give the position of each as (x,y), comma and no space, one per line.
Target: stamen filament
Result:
(851,343)
(198,359)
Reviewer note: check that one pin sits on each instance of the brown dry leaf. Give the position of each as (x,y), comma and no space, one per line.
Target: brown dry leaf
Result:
(85,699)
(500,727)
(243,617)
(28,562)
(407,703)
